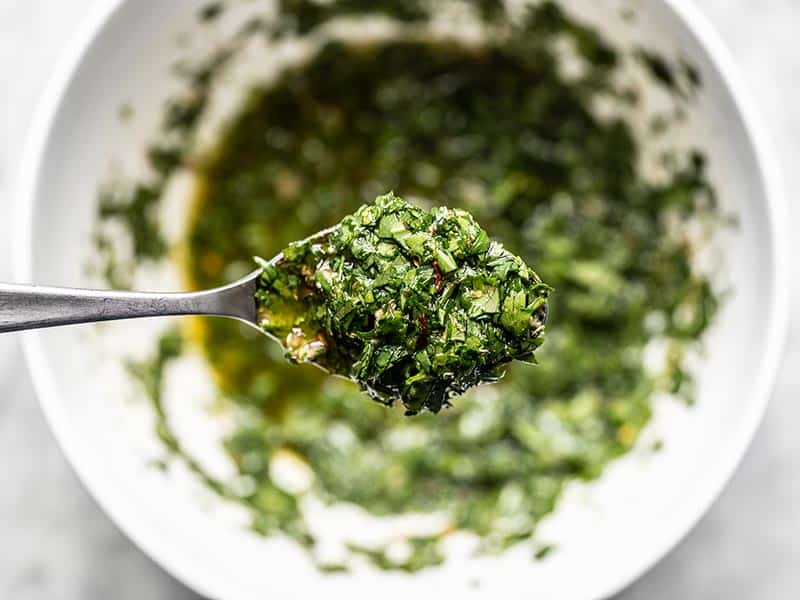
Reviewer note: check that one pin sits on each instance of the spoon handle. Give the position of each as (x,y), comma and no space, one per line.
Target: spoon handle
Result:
(34,307)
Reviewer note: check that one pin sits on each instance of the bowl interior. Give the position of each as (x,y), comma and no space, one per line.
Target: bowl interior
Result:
(611,531)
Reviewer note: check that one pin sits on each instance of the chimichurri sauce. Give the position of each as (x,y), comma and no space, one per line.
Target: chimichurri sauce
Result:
(498,131)
(415,306)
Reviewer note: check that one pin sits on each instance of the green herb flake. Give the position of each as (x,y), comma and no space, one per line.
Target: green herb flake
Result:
(211,12)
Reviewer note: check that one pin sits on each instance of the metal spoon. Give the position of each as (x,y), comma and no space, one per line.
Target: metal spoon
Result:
(24,307)
(34,307)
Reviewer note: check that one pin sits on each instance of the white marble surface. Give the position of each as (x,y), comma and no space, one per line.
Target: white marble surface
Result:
(56,544)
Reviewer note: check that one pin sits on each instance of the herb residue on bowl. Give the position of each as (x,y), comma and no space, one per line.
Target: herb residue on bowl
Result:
(416,306)
(505,130)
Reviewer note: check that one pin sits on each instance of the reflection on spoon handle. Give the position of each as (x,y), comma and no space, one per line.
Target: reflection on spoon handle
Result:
(34,307)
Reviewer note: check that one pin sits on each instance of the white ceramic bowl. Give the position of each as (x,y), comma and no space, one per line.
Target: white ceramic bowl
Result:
(632,519)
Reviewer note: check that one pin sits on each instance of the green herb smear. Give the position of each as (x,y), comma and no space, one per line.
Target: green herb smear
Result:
(416,306)
(500,132)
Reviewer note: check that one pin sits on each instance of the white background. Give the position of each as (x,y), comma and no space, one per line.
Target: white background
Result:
(56,544)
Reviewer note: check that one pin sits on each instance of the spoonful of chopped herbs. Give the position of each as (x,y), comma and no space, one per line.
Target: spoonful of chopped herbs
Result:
(415,306)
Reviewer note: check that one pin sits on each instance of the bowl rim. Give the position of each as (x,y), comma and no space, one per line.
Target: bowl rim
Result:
(204,582)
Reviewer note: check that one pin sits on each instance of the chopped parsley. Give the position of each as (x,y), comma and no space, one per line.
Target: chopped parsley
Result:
(414,305)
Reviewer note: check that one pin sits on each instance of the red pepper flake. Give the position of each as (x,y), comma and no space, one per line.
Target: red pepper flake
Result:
(438,273)
(423,325)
